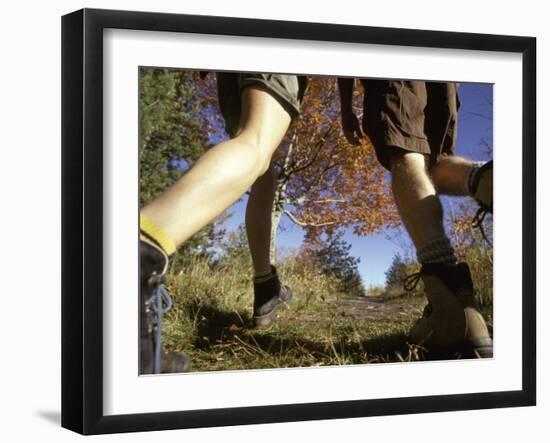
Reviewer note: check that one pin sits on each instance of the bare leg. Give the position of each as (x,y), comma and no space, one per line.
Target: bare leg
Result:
(416,198)
(223,173)
(451,175)
(258,221)
(270,295)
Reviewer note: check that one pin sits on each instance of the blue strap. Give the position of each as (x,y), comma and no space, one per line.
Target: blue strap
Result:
(161,303)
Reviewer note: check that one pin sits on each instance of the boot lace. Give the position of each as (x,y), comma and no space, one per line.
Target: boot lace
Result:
(477,222)
(410,283)
(161,302)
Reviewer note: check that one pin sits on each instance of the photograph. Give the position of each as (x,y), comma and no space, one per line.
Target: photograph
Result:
(270,221)
(296,220)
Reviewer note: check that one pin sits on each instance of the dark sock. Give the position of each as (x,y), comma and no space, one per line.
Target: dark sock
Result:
(264,277)
(266,289)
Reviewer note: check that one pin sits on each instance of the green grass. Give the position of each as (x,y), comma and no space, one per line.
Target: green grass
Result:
(212,321)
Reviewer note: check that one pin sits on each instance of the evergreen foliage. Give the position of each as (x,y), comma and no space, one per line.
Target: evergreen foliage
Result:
(171,138)
(334,258)
(397,272)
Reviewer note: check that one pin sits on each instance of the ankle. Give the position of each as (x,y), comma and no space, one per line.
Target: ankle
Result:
(263,275)
(152,232)
(472,179)
(436,251)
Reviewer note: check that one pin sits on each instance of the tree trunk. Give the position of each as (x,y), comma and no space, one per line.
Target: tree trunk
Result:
(275,220)
(281,182)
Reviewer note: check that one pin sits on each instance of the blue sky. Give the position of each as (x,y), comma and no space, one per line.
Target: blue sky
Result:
(376,251)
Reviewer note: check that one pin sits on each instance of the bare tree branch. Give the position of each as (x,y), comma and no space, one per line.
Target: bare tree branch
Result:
(316,182)
(326,200)
(302,223)
(318,147)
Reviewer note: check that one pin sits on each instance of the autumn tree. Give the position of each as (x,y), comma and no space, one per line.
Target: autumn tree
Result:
(323,182)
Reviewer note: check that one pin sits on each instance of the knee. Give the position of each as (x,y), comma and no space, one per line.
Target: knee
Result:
(448,168)
(264,165)
(262,161)
(268,176)
(407,161)
(259,156)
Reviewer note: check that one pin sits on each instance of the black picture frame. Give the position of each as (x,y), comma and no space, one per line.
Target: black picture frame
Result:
(82,219)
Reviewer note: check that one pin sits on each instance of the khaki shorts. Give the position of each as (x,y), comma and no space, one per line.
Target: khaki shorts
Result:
(287,89)
(413,116)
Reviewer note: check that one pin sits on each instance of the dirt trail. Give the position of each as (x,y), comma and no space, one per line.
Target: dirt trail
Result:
(377,307)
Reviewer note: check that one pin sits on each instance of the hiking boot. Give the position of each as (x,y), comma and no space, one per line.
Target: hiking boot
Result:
(481,189)
(269,297)
(155,301)
(451,321)
(481,186)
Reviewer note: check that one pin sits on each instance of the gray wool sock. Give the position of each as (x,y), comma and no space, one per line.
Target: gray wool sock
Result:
(438,250)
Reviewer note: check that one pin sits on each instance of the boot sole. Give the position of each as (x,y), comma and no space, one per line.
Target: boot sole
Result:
(481,347)
(269,318)
(465,349)
(175,362)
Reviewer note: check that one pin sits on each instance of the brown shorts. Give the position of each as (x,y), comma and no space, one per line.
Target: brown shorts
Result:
(287,89)
(413,116)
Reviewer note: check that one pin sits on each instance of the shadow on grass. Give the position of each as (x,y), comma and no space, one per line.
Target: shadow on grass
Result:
(216,327)
(381,348)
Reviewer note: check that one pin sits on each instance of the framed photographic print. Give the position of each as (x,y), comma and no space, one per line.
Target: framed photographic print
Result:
(269,221)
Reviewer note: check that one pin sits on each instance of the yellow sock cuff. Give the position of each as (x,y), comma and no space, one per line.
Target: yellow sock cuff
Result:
(157,234)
